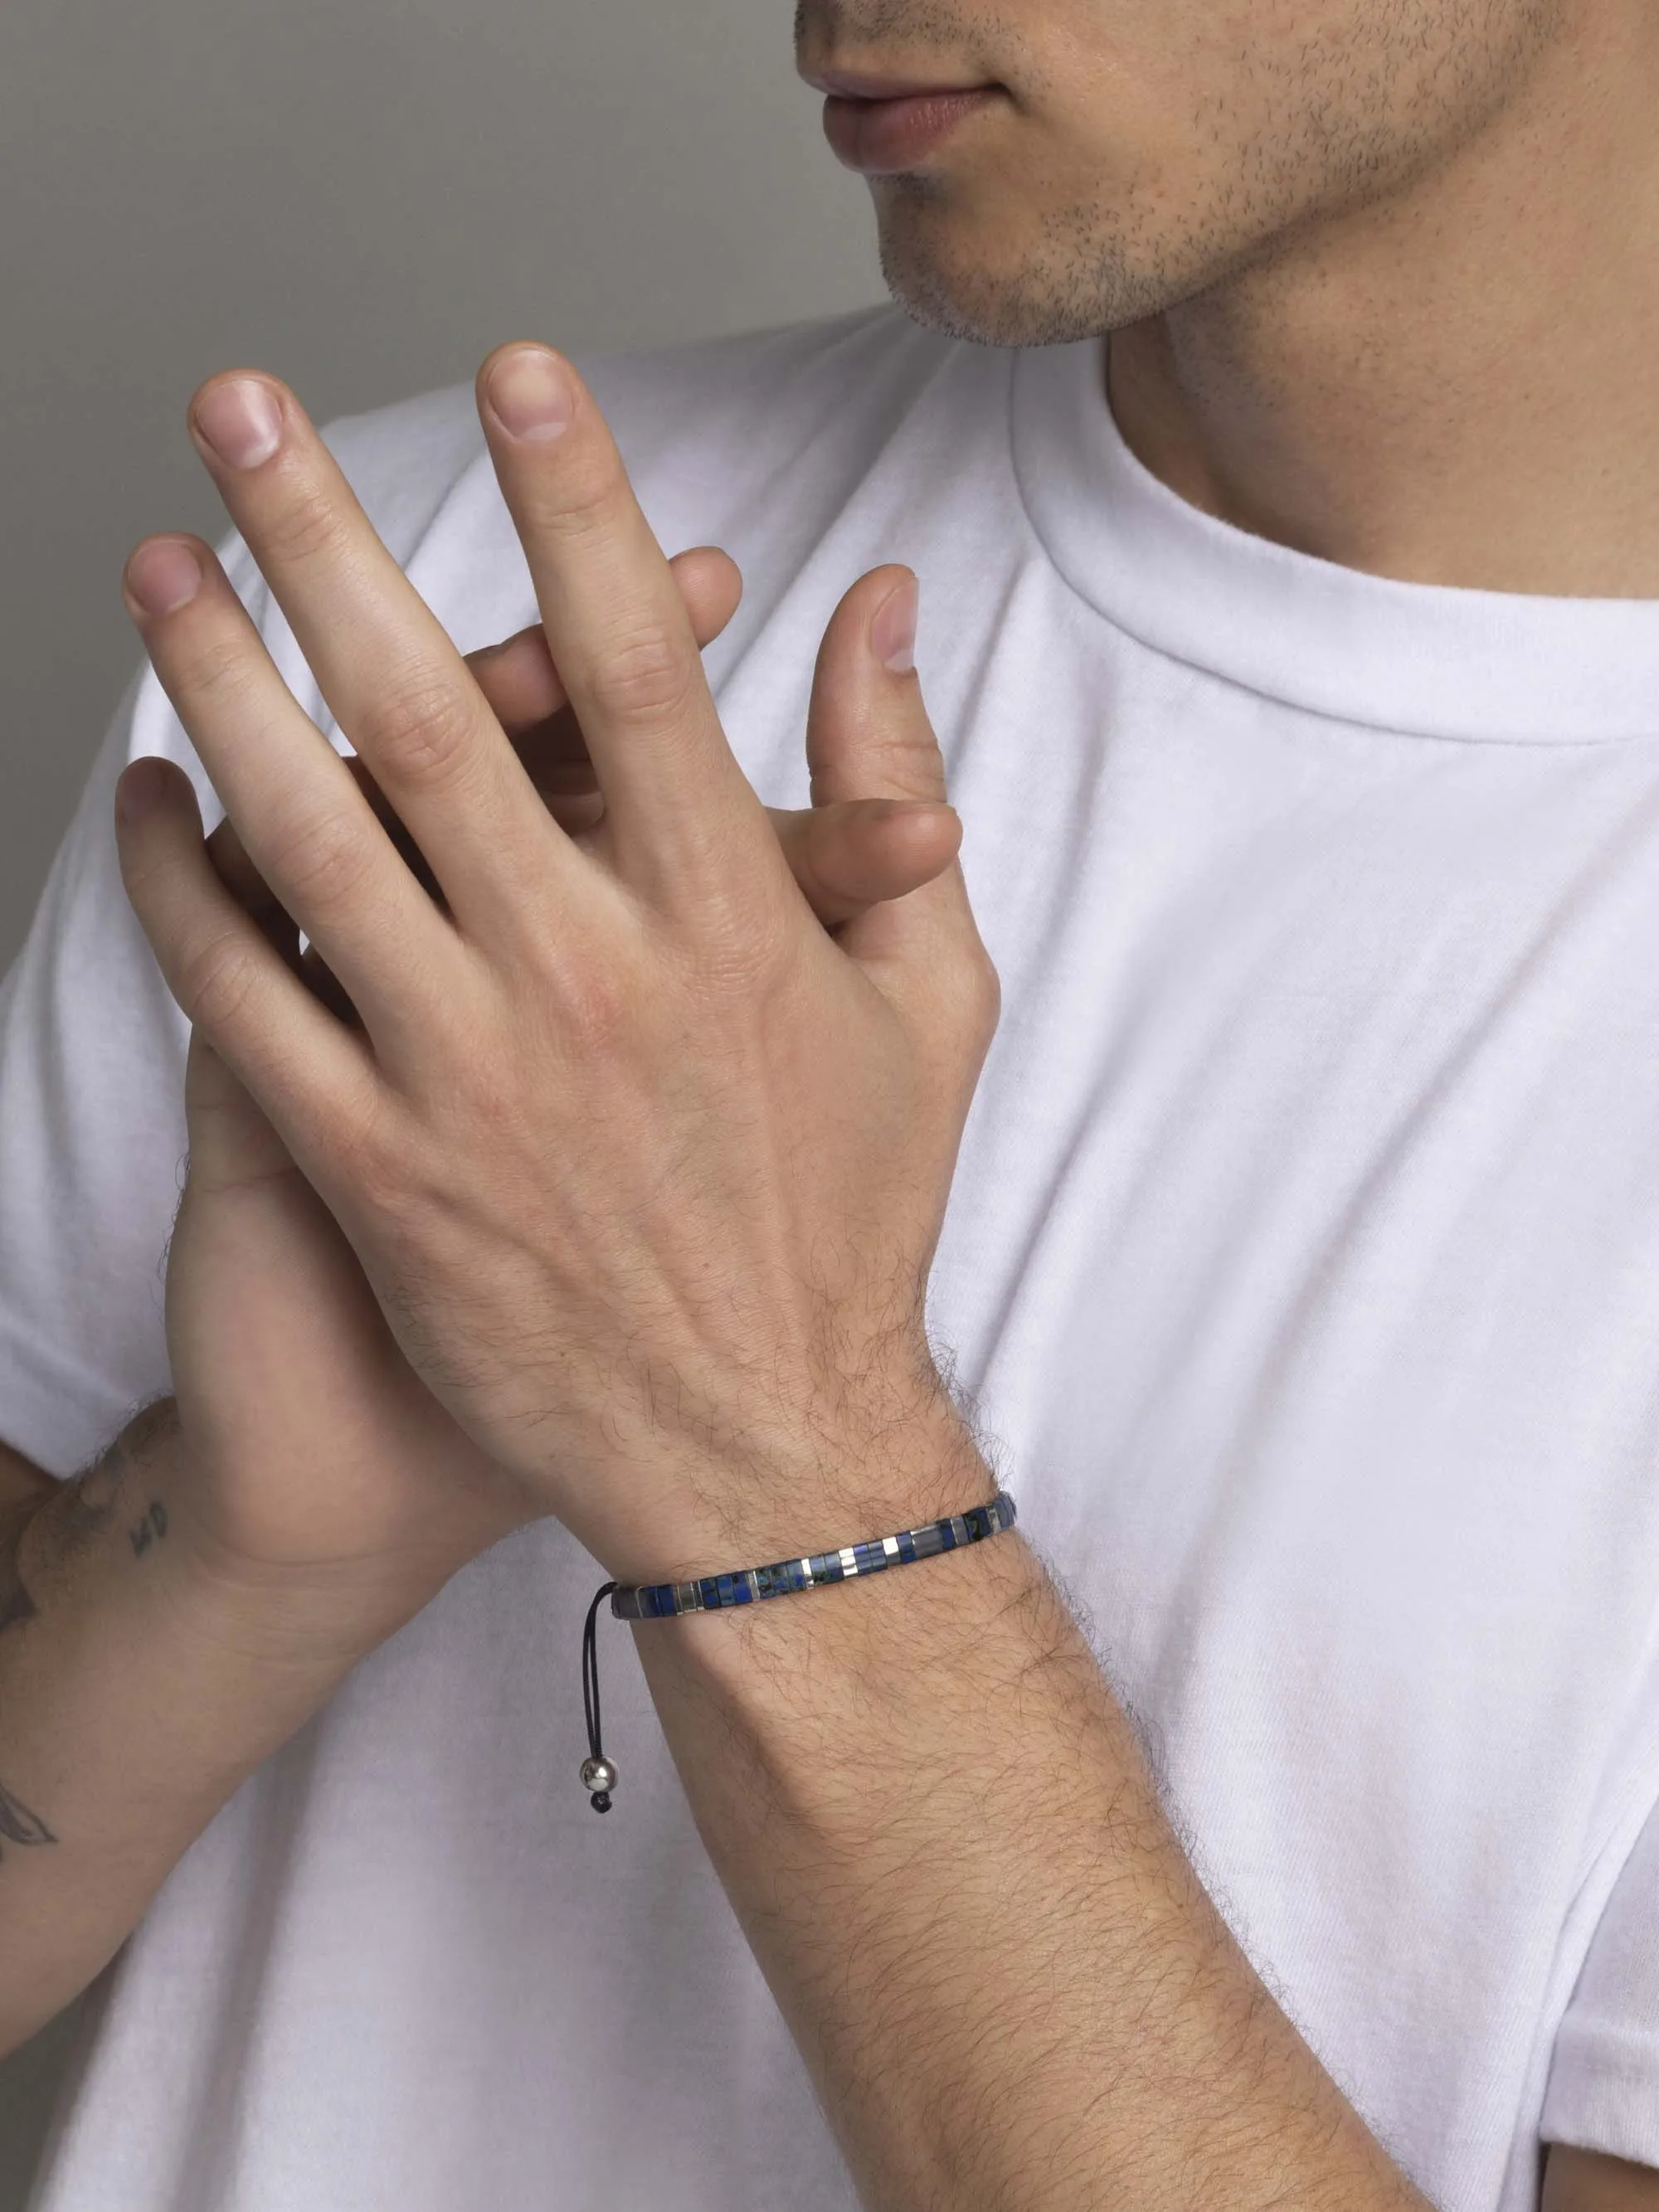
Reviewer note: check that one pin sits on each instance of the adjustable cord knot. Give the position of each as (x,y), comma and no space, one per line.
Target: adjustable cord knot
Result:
(598,1775)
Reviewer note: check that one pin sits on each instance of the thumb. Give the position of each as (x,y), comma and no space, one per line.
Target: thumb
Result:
(868,732)
(868,736)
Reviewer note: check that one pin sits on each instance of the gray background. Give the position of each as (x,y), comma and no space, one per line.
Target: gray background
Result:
(364,197)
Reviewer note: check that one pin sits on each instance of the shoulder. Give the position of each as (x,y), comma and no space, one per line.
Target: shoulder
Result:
(704,428)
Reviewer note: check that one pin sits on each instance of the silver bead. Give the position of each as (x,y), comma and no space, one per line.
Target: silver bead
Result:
(598,1774)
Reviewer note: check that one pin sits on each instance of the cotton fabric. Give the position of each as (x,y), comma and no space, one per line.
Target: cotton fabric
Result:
(1301,1264)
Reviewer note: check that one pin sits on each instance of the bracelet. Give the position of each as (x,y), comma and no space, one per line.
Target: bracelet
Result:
(748,1585)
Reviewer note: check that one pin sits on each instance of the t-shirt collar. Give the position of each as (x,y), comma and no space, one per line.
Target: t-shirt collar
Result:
(1425,659)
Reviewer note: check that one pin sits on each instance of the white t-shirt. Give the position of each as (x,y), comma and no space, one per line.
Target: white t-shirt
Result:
(1304,1259)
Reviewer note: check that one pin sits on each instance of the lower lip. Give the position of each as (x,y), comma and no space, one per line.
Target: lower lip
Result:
(880,137)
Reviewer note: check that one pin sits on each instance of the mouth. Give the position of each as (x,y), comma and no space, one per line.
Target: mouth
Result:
(882,125)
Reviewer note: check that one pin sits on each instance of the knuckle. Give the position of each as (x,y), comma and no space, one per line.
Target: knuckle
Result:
(149,854)
(150,875)
(380,1183)
(592,1015)
(648,677)
(581,501)
(422,728)
(913,763)
(217,977)
(219,669)
(378,1170)
(304,529)
(594,1006)
(321,860)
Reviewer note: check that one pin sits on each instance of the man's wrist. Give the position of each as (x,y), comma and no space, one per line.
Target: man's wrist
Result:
(321,1612)
(811,1681)
(322,1617)
(871,1472)
(922,1619)
(135,1523)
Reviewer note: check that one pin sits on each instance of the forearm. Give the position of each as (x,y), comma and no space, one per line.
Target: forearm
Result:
(139,1686)
(1012,1990)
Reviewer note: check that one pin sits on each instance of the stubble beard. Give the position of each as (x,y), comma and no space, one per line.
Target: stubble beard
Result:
(1103,263)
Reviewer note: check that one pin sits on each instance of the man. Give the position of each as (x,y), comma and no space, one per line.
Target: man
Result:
(573,1197)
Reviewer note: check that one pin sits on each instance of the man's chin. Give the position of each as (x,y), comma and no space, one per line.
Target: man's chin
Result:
(994,294)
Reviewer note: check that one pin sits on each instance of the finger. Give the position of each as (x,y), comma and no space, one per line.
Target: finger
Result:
(392,677)
(242,879)
(522,688)
(298,812)
(303,1069)
(522,685)
(524,692)
(858,852)
(237,872)
(675,799)
(868,734)
(845,858)
(232,1142)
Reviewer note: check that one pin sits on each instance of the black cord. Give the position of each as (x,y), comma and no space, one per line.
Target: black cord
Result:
(600,1800)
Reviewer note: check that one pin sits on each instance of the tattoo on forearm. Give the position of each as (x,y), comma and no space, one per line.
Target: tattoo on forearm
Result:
(18,1825)
(82,1512)
(59,1531)
(149,1527)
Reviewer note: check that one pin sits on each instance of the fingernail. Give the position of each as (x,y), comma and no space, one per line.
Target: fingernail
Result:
(140,786)
(241,420)
(893,631)
(162,576)
(531,395)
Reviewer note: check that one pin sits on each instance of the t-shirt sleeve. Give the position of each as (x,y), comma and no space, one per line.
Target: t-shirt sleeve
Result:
(1603,2089)
(92,1134)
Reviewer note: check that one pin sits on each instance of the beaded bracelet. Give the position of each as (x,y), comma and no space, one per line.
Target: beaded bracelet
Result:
(747,1585)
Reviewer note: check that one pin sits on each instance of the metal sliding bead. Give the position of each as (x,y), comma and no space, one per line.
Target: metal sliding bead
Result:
(598,1776)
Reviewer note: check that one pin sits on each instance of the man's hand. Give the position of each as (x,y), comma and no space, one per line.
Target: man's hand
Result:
(325,1457)
(848,855)
(171,1616)
(645,1167)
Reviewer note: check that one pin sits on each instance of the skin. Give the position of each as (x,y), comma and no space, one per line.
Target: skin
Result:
(1319,294)
(1378,271)
(314,1492)
(1144,155)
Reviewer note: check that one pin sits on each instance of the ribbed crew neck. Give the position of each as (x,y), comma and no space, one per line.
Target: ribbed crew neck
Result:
(1424,659)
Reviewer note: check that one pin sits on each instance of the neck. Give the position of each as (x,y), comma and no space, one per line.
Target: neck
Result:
(1460,386)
